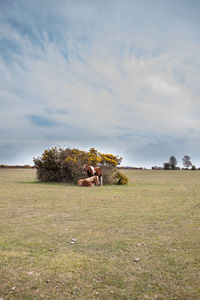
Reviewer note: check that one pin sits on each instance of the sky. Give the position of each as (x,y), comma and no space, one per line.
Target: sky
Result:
(120,76)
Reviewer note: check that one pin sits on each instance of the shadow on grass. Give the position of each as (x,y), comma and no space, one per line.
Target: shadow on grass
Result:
(72,184)
(46,183)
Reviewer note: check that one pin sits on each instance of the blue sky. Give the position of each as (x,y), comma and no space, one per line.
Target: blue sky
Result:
(120,76)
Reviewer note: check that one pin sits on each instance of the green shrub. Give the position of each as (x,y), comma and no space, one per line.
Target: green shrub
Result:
(65,165)
(166,166)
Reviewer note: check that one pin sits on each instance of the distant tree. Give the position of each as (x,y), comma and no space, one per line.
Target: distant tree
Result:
(172,162)
(186,161)
(166,166)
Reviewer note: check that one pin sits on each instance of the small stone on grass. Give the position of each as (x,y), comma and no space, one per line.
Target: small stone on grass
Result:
(136,259)
(73,241)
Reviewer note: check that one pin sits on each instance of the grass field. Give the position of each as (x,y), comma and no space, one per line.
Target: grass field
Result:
(139,241)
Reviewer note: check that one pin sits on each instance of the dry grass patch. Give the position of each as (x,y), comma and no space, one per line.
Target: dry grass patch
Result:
(139,241)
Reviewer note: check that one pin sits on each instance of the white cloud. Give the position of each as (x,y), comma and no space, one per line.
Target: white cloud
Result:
(98,92)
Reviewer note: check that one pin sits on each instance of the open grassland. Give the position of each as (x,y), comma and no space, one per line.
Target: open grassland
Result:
(139,241)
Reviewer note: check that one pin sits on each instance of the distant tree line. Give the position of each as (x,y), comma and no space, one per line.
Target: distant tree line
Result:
(17,167)
(172,164)
(130,168)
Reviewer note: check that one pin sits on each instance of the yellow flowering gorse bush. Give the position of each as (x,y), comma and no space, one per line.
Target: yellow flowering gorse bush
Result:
(65,165)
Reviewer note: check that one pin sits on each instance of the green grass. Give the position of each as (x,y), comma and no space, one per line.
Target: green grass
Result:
(155,218)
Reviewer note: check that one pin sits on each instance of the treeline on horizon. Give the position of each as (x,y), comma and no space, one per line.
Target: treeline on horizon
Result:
(17,166)
(170,165)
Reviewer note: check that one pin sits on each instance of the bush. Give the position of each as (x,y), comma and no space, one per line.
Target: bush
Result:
(65,165)
(121,178)
(166,166)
